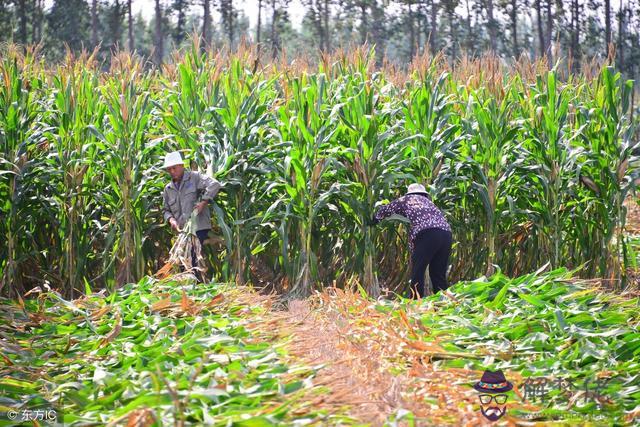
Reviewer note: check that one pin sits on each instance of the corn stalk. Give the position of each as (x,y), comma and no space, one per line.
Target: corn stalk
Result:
(608,168)
(130,189)
(374,157)
(20,108)
(236,147)
(76,104)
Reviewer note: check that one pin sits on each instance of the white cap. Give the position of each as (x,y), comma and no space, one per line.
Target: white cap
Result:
(172,159)
(416,189)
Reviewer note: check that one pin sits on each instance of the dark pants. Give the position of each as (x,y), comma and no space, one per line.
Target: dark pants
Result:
(202,235)
(432,247)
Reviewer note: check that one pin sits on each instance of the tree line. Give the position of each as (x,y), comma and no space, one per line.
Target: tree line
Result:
(572,31)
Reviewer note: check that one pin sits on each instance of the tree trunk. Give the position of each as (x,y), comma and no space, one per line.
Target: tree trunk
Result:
(469,33)
(116,28)
(327,38)
(274,20)
(607,26)
(363,22)
(514,26)
(34,14)
(412,34)
(259,23)
(418,29)
(158,35)
(206,22)
(94,23)
(317,22)
(541,42)
(40,19)
(452,36)
(549,38)
(180,24)
(571,30)
(230,23)
(379,37)
(559,17)
(492,25)
(576,35)
(621,31)
(37,22)
(433,31)
(130,24)
(22,14)
(33,4)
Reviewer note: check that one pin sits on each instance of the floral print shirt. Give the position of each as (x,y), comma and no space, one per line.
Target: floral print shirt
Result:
(419,210)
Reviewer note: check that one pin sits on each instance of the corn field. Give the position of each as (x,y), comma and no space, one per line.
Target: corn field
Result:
(530,167)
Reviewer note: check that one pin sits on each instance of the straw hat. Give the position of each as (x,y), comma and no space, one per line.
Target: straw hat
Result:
(172,159)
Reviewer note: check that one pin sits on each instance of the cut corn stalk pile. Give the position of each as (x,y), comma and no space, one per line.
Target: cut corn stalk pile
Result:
(180,255)
(216,354)
(153,351)
(418,360)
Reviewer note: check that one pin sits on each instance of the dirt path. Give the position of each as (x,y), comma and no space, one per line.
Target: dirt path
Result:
(372,365)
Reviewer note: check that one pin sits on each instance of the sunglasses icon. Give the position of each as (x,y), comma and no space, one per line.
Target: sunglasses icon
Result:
(500,399)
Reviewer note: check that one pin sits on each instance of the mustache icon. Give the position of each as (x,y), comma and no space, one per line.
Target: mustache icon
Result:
(493,413)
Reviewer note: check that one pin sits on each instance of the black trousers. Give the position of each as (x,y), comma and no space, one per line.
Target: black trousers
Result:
(431,247)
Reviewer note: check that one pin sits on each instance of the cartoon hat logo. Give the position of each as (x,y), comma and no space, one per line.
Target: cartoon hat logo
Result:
(492,387)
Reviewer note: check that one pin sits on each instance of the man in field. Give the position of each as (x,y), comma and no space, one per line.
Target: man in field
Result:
(188,191)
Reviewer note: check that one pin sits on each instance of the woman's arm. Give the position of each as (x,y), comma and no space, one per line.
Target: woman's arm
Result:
(385,211)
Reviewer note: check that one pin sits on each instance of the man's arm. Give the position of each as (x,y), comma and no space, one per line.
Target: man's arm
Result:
(210,186)
(166,210)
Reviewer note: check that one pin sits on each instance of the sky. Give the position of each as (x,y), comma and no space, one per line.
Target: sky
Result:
(250,8)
